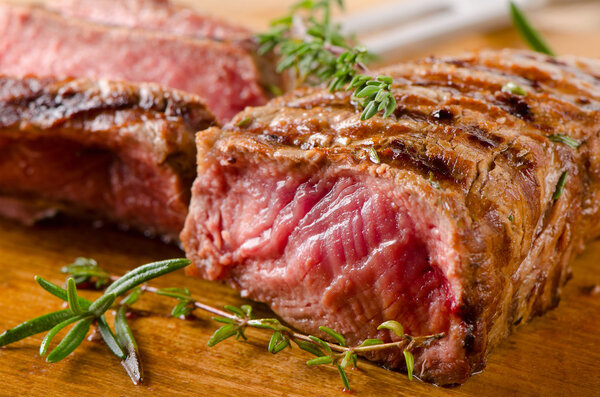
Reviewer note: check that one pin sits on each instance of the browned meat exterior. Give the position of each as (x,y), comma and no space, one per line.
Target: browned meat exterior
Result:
(103,150)
(153,15)
(451,228)
(36,41)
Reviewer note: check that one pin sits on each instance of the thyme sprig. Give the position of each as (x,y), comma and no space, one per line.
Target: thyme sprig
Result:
(236,320)
(310,44)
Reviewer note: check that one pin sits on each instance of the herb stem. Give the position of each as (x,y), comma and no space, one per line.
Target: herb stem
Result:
(199,305)
(296,336)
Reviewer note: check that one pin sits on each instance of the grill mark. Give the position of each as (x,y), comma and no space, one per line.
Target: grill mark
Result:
(534,73)
(565,90)
(518,107)
(515,105)
(51,102)
(483,137)
(450,169)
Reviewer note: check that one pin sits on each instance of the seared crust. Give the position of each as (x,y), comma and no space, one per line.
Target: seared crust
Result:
(142,129)
(31,106)
(490,152)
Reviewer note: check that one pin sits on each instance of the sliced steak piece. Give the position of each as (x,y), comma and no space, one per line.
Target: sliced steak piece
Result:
(36,41)
(455,226)
(159,15)
(163,16)
(105,150)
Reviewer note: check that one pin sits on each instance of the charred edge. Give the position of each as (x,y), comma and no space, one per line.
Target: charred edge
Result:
(399,151)
(275,139)
(442,115)
(39,99)
(483,137)
(515,105)
(469,341)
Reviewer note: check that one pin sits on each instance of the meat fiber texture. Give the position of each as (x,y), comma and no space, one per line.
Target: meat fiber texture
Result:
(37,41)
(457,225)
(106,150)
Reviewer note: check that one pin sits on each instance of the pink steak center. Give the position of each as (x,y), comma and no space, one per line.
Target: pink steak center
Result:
(337,248)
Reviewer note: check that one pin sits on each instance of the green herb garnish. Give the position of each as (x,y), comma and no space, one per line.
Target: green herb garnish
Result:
(531,36)
(560,186)
(311,45)
(564,139)
(512,88)
(373,155)
(432,181)
(84,313)
(246,121)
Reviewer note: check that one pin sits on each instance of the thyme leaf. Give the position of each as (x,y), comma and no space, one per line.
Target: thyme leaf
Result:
(338,337)
(371,342)
(560,186)
(432,181)
(344,377)
(410,363)
(226,331)
(513,88)
(320,361)
(314,48)
(564,139)
(393,326)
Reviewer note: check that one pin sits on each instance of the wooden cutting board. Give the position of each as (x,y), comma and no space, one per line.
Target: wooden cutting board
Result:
(557,354)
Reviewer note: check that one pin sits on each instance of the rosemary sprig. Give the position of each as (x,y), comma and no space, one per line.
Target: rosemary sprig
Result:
(315,49)
(531,36)
(83,313)
(235,320)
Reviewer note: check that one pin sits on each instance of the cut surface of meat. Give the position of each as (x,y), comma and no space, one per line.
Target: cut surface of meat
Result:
(36,41)
(456,225)
(100,149)
(152,15)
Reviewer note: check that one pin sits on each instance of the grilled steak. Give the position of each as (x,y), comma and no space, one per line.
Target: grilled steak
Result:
(36,41)
(162,16)
(153,15)
(458,225)
(110,150)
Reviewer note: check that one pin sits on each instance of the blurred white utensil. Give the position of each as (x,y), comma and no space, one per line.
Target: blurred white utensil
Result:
(405,26)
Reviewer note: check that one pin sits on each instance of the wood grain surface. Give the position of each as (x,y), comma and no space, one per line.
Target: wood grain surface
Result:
(554,355)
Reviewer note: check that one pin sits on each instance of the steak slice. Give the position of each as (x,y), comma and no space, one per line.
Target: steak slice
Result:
(457,225)
(100,149)
(152,15)
(36,41)
(162,16)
